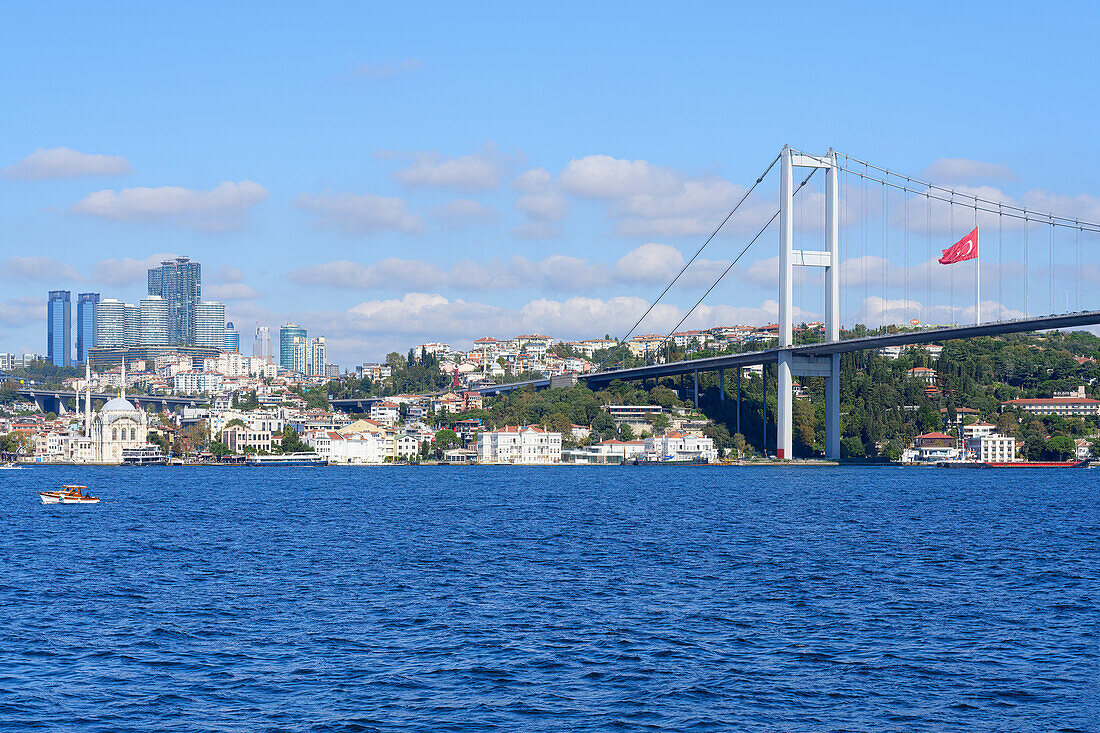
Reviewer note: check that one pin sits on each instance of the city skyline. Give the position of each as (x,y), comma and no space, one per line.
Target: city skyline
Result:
(562,210)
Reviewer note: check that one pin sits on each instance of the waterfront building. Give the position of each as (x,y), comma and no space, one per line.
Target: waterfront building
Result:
(519,445)
(85,324)
(153,315)
(117,427)
(316,357)
(993,447)
(179,282)
(59,328)
(232,338)
(287,334)
(680,446)
(261,344)
(210,324)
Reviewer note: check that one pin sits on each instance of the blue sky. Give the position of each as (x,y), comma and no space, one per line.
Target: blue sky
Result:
(392,174)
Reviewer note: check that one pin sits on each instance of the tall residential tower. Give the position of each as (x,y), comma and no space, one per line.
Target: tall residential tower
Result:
(59,323)
(179,282)
(85,324)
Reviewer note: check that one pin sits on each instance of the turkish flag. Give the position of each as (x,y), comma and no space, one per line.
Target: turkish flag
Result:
(962,250)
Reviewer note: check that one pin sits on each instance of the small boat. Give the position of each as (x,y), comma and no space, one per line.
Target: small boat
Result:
(68,495)
(10,467)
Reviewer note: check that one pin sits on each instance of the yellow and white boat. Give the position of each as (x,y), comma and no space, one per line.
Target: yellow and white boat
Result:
(68,495)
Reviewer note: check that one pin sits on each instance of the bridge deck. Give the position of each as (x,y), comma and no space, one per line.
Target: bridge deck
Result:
(766,356)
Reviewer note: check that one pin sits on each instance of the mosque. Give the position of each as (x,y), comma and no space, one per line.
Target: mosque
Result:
(118,426)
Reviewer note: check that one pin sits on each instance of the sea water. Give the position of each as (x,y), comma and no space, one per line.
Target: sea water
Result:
(571,598)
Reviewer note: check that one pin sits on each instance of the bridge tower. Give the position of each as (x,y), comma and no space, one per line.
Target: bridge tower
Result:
(828,259)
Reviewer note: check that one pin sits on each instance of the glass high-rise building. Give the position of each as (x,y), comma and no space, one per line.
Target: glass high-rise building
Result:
(155,321)
(133,325)
(210,324)
(179,282)
(287,334)
(59,326)
(232,338)
(261,344)
(85,324)
(317,356)
(110,323)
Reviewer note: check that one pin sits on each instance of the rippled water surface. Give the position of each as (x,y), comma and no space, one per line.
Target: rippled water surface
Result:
(587,598)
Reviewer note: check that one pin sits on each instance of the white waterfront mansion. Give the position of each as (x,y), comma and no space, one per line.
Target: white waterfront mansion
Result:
(527,444)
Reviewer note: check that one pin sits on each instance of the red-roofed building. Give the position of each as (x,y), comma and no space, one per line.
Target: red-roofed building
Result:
(1061,406)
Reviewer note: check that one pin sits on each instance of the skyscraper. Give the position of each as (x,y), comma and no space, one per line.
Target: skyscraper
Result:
(299,355)
(85,324)
(261,345)
(210,324)
(179,282)
(287,334)
(110,323)
(59,322)
(317,356)
(232,338)
(133,325)
(154,321)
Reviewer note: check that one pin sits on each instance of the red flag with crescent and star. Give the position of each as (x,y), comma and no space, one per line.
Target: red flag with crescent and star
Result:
(962,250)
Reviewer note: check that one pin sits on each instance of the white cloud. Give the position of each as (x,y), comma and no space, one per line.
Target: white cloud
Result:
(382,70)
(433,316)
(126,270)
(959,170)
(608,178)
(652,201)
(361,213)
(220,208)
(229,292)
(649,264)
(65,163)
(547,206)
(228,274)
(479,171)
(876,311)
(22,311)
(463,214)
(37,269)
(542,204)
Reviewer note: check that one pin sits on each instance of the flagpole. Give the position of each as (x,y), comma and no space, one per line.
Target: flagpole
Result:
(977,280)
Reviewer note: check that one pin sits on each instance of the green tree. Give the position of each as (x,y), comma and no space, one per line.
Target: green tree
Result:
(851,449)
(446,439)
(219,448)
(1059,448)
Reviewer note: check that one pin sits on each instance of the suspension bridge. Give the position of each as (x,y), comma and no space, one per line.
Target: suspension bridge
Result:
(854,219)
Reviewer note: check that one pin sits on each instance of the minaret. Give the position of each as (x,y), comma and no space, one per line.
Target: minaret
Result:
(122,394)
(87,398)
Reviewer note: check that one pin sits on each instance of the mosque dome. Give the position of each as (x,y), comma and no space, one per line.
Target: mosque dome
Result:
(118,405)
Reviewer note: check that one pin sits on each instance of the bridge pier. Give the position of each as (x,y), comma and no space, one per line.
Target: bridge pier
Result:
(696,389)
(722,386)
(829,260)
(739,400)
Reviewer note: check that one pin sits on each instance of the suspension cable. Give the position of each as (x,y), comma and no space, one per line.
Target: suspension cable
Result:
(1024,213)
(692,260)
(730,266)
